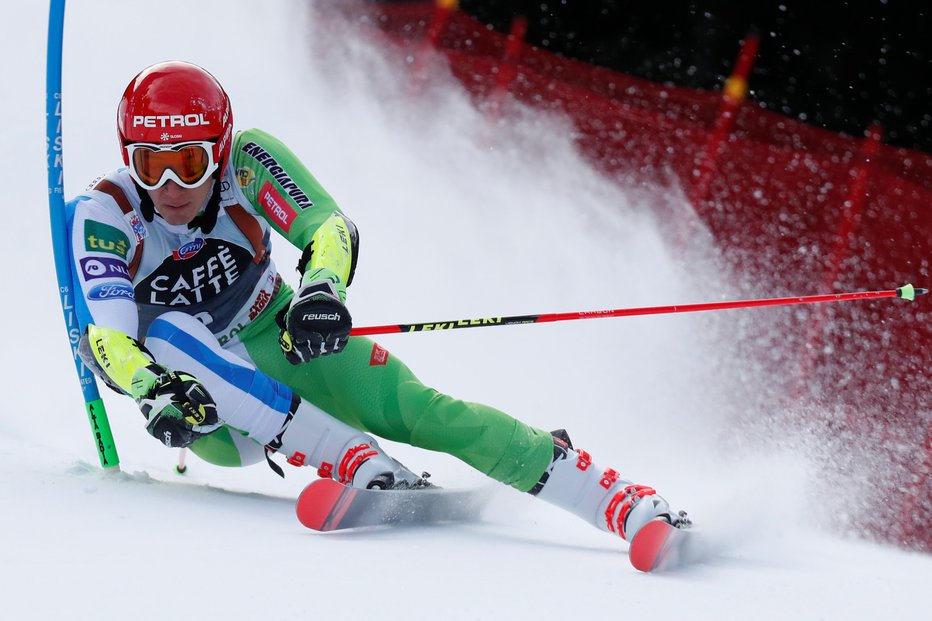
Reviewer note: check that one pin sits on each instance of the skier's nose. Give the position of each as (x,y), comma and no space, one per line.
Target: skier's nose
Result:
(171,188)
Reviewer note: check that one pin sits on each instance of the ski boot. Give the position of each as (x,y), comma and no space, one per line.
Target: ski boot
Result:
(601,497)
(311,437)
(366,465)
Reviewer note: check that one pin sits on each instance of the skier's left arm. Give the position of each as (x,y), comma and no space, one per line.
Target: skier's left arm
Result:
(283,191)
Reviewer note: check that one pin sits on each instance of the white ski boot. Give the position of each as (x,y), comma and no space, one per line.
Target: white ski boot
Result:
(601,497)
(311,437)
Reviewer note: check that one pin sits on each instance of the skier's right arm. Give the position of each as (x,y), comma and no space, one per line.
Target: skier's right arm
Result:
(178,409)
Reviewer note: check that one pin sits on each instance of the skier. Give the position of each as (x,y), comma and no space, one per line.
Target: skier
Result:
(189,316)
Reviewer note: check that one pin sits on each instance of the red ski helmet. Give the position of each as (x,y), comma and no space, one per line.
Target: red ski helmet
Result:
(173,102)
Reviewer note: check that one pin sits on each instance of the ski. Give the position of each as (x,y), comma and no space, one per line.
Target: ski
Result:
(660,546)
(326,505)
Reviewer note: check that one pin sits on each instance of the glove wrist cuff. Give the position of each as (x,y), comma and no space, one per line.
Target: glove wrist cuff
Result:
(318,273)
(144,378)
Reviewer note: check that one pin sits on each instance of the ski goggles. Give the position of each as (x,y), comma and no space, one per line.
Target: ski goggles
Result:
(189,164)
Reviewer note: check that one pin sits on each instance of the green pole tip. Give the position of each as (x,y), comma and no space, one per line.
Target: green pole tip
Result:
(909,292)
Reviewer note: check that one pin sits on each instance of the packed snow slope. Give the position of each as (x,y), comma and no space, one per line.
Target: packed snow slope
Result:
(453,224)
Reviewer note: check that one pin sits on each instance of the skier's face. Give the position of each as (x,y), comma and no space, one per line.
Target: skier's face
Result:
(178,205)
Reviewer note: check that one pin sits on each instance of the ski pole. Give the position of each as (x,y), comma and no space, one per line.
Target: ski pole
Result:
(96,413)
(907,292)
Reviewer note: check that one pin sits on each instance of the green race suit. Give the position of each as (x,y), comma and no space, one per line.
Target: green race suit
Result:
(365,386)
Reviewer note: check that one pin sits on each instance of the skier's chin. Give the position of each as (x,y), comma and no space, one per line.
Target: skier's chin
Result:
(179,205)
(177,214)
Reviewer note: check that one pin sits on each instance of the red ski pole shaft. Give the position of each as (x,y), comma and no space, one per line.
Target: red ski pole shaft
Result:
(907,292)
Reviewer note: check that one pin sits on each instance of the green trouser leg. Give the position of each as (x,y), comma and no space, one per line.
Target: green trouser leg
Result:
(379,394)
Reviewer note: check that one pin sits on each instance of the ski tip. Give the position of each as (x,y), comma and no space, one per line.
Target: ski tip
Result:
(315,505)
(651,545)
(909,292)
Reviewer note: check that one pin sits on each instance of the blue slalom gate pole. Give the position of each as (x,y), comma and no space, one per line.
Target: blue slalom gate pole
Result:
(97,414)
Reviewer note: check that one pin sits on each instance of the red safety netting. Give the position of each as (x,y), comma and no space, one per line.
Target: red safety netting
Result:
(781,208)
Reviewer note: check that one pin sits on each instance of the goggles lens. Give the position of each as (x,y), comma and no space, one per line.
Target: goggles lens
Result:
(189,163)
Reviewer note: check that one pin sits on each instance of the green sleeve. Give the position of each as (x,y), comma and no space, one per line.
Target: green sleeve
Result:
(280,187)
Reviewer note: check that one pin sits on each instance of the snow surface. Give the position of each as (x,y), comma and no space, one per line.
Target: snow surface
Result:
(457,219)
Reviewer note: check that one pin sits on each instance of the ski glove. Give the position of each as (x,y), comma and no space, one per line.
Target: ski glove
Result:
(178,408)
(316,322)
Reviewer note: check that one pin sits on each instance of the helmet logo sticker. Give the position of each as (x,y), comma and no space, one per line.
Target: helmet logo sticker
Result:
(170,120)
